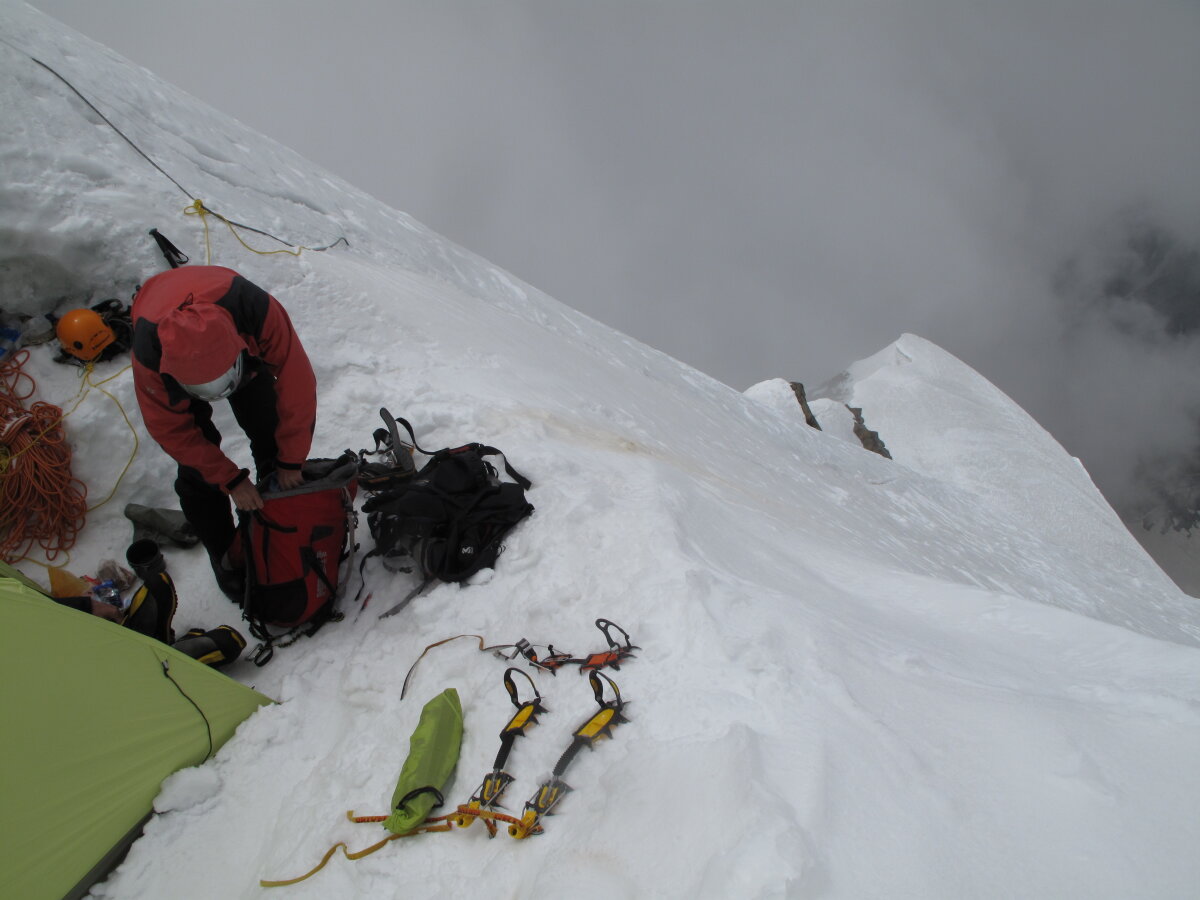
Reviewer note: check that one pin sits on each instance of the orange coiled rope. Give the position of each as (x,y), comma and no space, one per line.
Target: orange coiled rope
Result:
(41,503)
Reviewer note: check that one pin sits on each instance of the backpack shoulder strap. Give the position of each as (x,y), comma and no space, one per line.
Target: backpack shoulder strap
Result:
(390,421)
(481,449)
(512,473)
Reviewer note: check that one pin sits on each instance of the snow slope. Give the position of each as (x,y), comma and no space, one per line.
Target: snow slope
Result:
(947,675)
(944,420)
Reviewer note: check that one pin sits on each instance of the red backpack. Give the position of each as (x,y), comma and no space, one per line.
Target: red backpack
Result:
(297,548)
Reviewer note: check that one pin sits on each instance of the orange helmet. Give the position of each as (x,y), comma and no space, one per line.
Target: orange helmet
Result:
(83,334)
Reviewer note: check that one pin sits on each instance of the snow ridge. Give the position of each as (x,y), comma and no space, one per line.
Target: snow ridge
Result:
(858,677)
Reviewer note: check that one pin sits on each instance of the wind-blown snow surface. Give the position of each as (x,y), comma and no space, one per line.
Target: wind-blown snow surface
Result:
(950,675)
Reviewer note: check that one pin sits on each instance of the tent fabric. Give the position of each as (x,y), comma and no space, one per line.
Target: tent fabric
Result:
(95,719)
(7,571)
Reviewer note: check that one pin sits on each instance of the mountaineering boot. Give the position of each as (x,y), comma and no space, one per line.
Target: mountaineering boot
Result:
(161,524)
(216,647)
(231,581)
(152,608)
(146,559)
(230,571)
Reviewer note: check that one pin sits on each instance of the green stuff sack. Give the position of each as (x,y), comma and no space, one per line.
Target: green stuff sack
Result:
(432,755)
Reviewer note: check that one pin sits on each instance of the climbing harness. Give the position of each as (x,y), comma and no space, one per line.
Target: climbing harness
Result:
(487,796)
(552,791)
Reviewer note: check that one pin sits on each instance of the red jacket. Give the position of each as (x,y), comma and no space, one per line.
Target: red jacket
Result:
(261,326)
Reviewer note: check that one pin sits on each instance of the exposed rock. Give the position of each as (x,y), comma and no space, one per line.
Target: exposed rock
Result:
(798,390)
(870,439)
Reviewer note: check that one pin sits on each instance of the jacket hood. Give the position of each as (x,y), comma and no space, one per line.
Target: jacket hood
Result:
(199,342)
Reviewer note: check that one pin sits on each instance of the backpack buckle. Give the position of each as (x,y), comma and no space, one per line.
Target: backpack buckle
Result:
(262,654)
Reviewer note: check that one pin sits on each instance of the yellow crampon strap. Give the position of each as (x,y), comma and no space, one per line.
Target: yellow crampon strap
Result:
(529,823)
(360,819)
(199,209)
(471,811)
(466,814)
(435,824)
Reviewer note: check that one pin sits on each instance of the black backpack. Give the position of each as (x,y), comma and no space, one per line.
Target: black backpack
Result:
(447,520)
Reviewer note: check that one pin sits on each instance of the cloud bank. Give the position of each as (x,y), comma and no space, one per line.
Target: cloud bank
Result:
(765,189)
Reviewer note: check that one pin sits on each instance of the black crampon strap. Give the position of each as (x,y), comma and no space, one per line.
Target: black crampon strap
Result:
(526,715)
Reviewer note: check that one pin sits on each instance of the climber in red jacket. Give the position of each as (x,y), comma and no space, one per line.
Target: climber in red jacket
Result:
(205,333)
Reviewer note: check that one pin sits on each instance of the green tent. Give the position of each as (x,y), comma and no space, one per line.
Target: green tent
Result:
(95,717)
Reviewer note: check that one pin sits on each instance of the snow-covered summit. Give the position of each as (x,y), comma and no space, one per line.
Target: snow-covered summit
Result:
(943,419)
(942,675)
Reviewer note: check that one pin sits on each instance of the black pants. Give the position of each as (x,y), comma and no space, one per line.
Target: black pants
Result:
(205,505)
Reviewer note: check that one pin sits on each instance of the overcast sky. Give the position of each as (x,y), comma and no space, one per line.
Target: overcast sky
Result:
(764,189)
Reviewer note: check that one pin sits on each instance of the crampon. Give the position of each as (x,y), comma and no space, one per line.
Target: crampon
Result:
(486,798)
(551,792)
(610,658)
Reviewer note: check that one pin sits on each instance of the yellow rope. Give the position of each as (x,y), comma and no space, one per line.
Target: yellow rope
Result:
(112,377)
(81,395)
(124,415)
(328,856)
(430,825)
(199,209)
